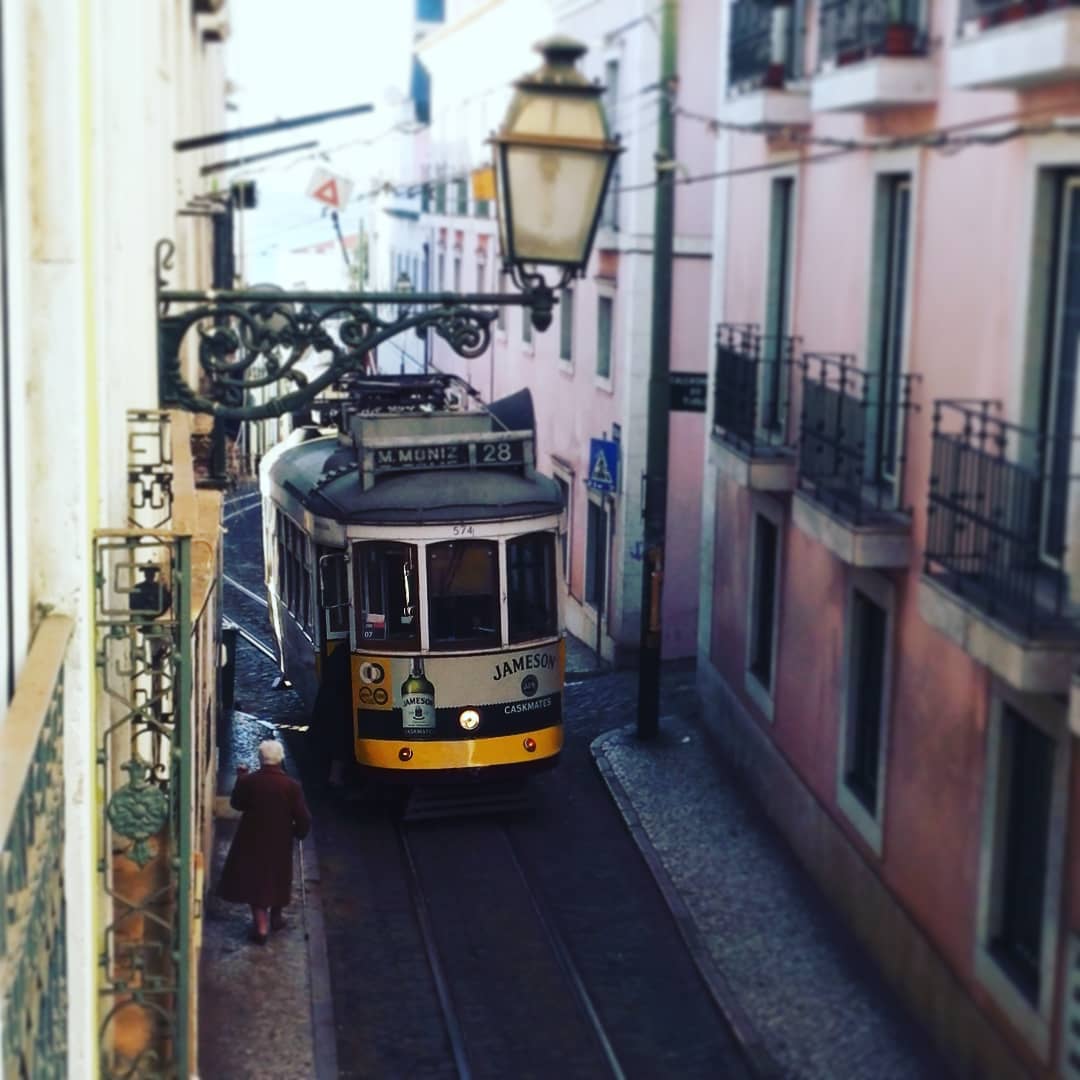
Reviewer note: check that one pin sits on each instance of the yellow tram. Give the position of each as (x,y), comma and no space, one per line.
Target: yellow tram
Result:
(417,534)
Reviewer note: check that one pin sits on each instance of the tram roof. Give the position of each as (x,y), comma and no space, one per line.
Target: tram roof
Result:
(325,476)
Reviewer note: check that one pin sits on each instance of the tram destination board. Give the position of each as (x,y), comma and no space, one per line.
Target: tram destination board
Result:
(502,452)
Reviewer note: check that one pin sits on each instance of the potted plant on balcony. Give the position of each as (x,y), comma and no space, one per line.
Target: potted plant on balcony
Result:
(900,30)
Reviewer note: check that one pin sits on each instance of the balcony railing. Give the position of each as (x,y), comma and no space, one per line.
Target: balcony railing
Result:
(853,30)
(999,505)
(751,389)
(851,441)
(761,46)
(33,967)
(985,14)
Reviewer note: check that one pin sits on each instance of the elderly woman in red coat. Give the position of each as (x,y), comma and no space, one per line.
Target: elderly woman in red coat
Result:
(258,870)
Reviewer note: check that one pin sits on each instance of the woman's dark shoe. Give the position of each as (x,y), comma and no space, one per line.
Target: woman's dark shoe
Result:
(278,922)
(259,939)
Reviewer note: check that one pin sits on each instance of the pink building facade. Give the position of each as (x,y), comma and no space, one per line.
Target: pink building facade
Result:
(891,541)
(589,372)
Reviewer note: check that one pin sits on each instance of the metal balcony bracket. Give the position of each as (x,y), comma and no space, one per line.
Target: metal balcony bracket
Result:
(258,342)
(143,652)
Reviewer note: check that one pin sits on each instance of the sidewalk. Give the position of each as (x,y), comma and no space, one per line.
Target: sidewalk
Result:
(265,1013)
(801,997)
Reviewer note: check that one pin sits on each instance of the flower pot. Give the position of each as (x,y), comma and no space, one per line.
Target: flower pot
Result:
(774,77)
(899,40)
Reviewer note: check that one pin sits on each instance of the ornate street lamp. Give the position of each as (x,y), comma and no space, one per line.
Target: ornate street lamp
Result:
(553,162)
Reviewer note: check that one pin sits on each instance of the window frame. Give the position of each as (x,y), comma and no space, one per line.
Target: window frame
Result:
(552,536)
(566,328)
(780,283)
(385,644)
(564,477)
(1033,1019)
(870,825)
(601,611)
(499,591)
(763,507)
(893,170)
(605,380)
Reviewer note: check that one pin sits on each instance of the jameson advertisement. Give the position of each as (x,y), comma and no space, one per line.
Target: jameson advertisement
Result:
(522,681)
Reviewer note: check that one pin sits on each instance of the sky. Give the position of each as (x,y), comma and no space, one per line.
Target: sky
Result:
(285,59)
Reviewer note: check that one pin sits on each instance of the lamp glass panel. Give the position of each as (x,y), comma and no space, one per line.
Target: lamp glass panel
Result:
(500,203)
(554,195)
(560,116)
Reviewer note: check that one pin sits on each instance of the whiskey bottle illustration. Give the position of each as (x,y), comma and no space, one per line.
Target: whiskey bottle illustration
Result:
(417,699)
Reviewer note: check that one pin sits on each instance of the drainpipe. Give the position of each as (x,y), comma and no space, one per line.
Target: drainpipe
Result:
(656,445)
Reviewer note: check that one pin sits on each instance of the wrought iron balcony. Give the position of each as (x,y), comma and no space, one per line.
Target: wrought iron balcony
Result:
(751,390)
(761,44)
(854,30)
(851,440)
(985,14)
(999,508)
(33,967)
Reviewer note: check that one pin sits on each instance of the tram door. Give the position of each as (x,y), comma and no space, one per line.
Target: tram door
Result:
(333,601)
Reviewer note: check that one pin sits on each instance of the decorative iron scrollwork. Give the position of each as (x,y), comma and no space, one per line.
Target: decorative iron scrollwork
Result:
(261,338)
(138,810)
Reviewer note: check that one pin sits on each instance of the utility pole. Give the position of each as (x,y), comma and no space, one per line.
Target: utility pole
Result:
(656,445)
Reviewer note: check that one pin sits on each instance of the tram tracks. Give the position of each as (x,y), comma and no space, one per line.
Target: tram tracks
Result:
(470,1061)
(252,639)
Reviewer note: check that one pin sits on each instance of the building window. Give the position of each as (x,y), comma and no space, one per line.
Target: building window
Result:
(442,272)
(566,325)
(1020,871)
(457,273)
(865,704)
(777,304)
(609,214)
(461,200)
(1058,390)
(596,555)
(764,603)
(500,318)
(604,306)
(481,275)
(892,241)
(526,326)
(564,529)
(440,197)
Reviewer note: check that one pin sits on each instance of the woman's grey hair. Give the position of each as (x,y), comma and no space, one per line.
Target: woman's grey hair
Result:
(271,752)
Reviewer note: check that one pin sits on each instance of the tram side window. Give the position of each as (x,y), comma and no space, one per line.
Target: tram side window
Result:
(294,570)
(463,594)
(385,590)
(530,580)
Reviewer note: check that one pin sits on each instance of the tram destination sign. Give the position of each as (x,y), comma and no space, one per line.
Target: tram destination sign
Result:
(468,453)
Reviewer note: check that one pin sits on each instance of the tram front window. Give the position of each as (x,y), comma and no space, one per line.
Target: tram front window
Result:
(530,580)
(385,593)
(463,594)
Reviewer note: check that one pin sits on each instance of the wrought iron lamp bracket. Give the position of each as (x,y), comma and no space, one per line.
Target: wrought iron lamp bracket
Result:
(250,341)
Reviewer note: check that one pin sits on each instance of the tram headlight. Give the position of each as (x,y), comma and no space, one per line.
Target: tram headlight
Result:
(469,719)
(530,744)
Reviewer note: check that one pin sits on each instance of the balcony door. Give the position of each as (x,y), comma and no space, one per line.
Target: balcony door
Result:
(773,388)
(1059,379)
(886,387)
